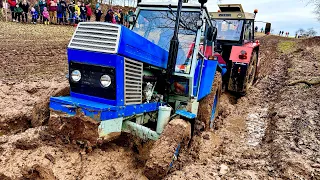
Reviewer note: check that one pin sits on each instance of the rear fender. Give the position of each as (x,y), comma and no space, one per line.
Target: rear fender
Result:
(236,51)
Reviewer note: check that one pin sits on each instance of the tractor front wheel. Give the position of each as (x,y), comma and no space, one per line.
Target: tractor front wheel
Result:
(165,151)
(209,106)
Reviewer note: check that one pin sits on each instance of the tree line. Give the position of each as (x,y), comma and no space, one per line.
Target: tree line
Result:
(309,32)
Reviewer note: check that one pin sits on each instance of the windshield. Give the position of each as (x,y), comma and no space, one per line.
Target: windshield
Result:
(229,30)
(158,27)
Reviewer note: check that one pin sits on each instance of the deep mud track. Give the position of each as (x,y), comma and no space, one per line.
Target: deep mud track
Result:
(273,132)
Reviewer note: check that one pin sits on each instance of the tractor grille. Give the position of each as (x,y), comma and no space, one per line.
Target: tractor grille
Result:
(90,84)
(96,36)
(133,73)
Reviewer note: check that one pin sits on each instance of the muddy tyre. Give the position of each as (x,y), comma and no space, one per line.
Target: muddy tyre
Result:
(251,72)
(165,151)
(209,106)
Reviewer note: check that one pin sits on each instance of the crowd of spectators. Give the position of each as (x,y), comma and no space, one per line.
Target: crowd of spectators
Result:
(63,12)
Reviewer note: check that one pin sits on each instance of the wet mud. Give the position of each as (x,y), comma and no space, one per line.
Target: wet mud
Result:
(271,133)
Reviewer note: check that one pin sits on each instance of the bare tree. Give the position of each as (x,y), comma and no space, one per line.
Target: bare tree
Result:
(300,31)
(311,32)
(316,4)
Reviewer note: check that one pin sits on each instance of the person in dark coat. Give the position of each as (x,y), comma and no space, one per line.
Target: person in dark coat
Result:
(63,5)
(109,16)
(25,7)
(83,12)
(98,14)
(71,11)
(121,16)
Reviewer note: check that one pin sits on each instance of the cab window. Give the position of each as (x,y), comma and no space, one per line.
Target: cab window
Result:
(248,31)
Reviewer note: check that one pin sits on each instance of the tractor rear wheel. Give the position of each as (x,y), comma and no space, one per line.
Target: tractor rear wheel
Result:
(251,71)
(165,150)
(209,106)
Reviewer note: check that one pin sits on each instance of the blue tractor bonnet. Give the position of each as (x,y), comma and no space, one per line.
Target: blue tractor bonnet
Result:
(103,48)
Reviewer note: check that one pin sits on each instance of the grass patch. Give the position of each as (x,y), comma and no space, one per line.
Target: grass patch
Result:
(286,46)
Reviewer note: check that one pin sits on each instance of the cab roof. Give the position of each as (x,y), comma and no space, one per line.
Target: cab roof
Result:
(230,8)
(231,11)
(164,5)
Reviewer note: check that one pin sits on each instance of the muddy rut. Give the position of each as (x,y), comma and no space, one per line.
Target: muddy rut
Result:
(273,132)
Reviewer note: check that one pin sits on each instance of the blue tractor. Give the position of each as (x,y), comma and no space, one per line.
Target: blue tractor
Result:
(152,80)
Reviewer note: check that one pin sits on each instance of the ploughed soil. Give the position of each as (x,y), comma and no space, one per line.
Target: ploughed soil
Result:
(272,132)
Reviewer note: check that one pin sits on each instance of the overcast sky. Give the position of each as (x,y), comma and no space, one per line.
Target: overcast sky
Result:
(286,15)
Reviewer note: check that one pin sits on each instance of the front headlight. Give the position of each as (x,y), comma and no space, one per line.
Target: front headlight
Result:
(75,75)
(105,80)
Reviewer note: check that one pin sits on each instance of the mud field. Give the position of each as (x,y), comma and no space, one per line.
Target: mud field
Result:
(273,132)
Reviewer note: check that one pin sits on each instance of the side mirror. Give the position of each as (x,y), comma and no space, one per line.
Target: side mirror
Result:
(202,1)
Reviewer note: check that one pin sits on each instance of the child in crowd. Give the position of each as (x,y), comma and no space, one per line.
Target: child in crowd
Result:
(116,16)
(109,16)
(41,4)
(113,18)
(18,12)
(34,15)
(77,12)
(98,14)
(83,12)
(89,11)
(59,13)
(46,16)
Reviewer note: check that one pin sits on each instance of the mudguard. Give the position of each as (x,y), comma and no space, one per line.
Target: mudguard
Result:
(236,51)
(237,77)
(239,66)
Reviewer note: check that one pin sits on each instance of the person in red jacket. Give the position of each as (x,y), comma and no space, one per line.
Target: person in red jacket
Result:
(53,10)
(89,11)
(12,4)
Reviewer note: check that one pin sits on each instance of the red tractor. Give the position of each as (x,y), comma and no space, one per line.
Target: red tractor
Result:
(236,46)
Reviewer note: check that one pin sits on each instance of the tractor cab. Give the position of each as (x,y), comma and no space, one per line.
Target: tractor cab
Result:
(236,45)
(156,22)
(234,27)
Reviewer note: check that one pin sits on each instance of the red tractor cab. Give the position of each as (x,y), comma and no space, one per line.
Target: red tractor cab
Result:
(236,45)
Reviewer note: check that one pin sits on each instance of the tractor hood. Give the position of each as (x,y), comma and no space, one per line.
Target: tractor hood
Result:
(110,38)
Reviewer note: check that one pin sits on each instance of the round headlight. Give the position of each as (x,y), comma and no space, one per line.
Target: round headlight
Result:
(75,75)
(105,80)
